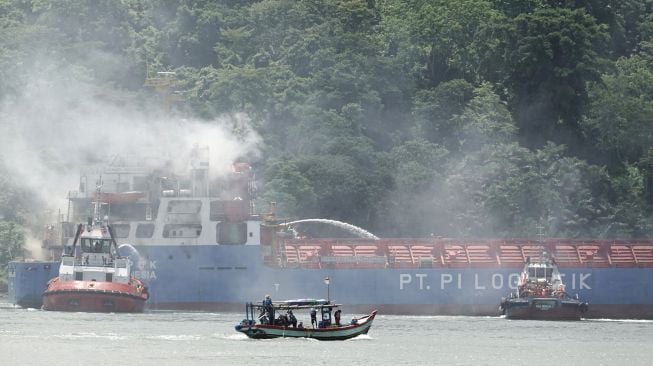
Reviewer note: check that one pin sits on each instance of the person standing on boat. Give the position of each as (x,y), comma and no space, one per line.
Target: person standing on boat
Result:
(337,315)
(292,320)
(267,305)
(314,317)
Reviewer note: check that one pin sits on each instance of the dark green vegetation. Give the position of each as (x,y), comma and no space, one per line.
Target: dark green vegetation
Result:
(483,118)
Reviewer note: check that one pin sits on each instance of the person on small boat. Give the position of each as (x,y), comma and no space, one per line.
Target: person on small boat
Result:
(282,320)
(292,320)
(314,317)
(269,310)
(337,316)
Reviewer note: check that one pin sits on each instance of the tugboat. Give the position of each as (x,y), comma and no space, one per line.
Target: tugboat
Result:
(541,294)
(93,277)
(266,326)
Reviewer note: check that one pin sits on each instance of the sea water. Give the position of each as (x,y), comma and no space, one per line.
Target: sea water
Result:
(36,337)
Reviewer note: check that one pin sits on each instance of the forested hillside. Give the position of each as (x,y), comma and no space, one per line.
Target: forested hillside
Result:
(466,118)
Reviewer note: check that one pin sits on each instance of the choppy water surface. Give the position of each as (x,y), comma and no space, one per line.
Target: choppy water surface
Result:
(181,338)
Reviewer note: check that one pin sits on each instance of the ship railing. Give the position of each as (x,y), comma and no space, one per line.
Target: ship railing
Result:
(420,253)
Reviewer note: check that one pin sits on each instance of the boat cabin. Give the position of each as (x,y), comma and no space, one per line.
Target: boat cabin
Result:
(540,272)
(95,258)
(96,252)
(277,313)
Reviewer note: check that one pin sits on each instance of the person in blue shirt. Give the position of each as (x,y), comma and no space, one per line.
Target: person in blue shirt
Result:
(267,305)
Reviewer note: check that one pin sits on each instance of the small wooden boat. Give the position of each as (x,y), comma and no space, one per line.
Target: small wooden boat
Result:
(266,326)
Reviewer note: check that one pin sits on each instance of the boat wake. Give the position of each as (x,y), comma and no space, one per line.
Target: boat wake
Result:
(176,337)
(91,335)
(644,321)
(362,337)
(231,337)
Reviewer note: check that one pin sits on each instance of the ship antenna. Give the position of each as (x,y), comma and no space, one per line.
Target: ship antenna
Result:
(540,233)
(96,205)
(540,240)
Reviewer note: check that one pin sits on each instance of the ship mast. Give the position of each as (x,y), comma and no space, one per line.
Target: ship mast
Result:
(97,219)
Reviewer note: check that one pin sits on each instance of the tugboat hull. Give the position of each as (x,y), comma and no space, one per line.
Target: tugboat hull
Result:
(543,309)
(91,296)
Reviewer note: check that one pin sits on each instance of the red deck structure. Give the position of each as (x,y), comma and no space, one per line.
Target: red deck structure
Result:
(452,253)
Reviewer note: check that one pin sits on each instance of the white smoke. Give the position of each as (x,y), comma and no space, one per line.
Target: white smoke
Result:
(56,126)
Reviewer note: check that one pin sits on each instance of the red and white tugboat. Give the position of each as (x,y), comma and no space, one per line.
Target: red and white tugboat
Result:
(541,294)
(93,277)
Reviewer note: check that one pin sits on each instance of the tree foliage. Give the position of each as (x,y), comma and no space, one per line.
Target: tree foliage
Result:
(409,118)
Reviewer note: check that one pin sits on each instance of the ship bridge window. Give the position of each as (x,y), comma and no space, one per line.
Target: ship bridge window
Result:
(144,230)
(184,206)
(182,230)
(90,245)
(540,272)
(120,230)
(132,211)
(231,233)
(216,212)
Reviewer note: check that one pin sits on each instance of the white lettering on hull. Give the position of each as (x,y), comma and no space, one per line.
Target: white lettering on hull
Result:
(404,279)
(513,281)
(583,277)
(476,285)
(146,270)
(496,281)
(145,275)
(421,281)
(444,279)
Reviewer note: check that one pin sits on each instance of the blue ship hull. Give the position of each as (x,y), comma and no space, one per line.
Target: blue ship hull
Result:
(225,277)
(28,280)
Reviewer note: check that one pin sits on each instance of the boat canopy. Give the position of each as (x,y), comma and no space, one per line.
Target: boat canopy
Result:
(301,304)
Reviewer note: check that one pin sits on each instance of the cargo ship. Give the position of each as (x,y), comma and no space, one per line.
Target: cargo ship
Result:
(200,244)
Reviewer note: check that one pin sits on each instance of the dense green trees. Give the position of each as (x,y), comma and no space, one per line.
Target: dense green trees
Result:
(409,118)
(552,54)
(11,246)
